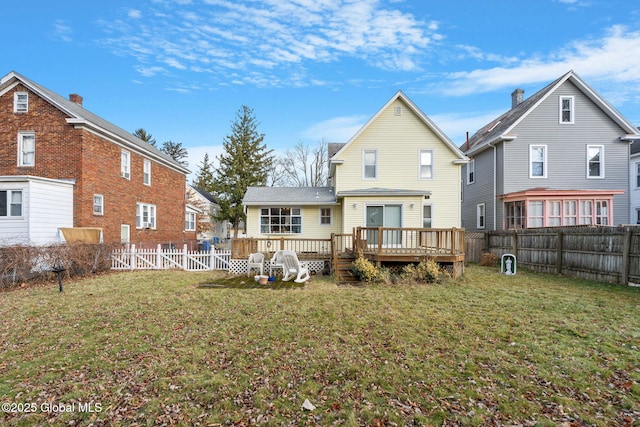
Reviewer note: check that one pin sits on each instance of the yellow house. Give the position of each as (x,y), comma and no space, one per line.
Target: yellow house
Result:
(398,170)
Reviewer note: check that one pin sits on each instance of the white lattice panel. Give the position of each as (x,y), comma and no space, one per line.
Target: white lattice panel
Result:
(239,266)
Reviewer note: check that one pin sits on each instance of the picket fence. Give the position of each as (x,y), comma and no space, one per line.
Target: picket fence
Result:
(132,258)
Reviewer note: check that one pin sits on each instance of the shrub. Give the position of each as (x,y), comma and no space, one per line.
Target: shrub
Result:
(427,271)
(489,259)
(365,271)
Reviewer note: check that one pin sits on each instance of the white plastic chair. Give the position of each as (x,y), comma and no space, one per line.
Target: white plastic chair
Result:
(255,261)
(294,268)
(277,262)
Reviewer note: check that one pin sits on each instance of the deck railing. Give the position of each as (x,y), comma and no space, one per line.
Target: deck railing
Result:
(399,241)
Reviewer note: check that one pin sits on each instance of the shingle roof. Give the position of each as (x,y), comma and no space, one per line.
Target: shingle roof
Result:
(289,196)
(79,114)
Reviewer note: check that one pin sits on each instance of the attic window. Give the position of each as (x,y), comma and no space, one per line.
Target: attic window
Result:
(20,102)
(397,110)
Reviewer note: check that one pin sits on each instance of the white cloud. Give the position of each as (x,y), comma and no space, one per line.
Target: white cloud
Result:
(456,125)
(134,14)
(337,129)
(614,57)
(62,31)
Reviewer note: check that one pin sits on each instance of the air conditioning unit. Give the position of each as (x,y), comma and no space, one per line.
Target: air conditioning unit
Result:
(124,175)
(146,225)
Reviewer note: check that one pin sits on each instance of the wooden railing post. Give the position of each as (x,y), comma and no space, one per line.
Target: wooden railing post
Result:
(626,252)
(559,250)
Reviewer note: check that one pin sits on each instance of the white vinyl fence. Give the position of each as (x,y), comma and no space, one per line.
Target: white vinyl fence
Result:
(132,258)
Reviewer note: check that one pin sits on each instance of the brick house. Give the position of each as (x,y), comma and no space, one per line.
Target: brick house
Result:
(123,185)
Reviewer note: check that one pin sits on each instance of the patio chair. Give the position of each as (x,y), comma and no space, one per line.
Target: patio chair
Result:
(294,268)
(277,262)
(256,261)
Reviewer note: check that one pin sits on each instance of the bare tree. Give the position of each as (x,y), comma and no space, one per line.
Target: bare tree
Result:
(306,166)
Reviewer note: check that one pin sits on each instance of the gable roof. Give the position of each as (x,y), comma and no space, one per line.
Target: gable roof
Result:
(289,196)
(499,129)
(421,115)
(205,194)
(79,116)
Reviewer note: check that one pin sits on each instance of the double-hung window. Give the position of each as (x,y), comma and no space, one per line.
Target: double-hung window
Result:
(426,164)
(10,203)
(20,102)
(595,161)
(145,215)
(586,212)
(638,175)
(98,204)
(567,111)
(190,221)
(602,212)
(570,213)
(537,161)
(471,172)
(146,172)
(536,213)
(26,149)
(325,216)
(125,164)
(480,215)
(370,164)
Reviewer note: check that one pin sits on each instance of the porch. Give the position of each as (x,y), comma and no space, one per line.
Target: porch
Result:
(382,245)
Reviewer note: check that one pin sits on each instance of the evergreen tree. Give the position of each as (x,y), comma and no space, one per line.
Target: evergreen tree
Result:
(204,176)
(145,136)
(176,151)
(245,162)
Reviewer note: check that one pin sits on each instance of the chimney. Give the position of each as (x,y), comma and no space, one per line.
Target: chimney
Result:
(74,97)
(516,97)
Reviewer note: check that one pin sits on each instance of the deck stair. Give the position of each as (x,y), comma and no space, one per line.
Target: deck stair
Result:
(342,270)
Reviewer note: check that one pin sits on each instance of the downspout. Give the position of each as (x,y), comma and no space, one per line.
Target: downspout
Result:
(495,184)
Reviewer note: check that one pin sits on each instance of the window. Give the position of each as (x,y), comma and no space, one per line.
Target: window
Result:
(146,172)
(555,214)
(98,204)
(325,216)
(638,175)
(426,216)
(471,172)
(480,215)
(145,215)
(570,213)
(595,161)
(637,216)
(124,233)
(426,164)
(190,221)
(26,149)
(514,215)
(602,212)
(10,203)
(280,220)
(20,102)
(397,110)
(538,161)
(536,213)
(586,212)
(125,165)
(370,162)
(566,110)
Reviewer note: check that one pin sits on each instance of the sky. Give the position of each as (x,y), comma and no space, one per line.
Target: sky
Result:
(315,70)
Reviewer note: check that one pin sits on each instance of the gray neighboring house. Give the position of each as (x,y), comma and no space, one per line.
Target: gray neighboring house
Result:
(634,166)
(560,157)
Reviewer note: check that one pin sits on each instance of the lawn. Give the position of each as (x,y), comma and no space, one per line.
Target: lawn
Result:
(151,348)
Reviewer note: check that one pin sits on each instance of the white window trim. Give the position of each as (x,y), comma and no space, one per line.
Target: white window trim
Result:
(420,165)
(101,204)
(291,224)
(17,104)
(152,223)
(377,164)
(601,147)
(124,227)
(572,112)
(479,207)
(637,175)
(330,223)
(125,168)
(545,164)
(146,172)
(9,204)
(187,222)
(21,136)
(471,165)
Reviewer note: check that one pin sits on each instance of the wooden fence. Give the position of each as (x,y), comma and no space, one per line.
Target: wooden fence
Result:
(606,254)
(132,258)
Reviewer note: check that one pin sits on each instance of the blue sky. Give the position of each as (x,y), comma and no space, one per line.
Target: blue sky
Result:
(315,69)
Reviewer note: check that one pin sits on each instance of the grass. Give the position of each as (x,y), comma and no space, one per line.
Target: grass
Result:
(160,348)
